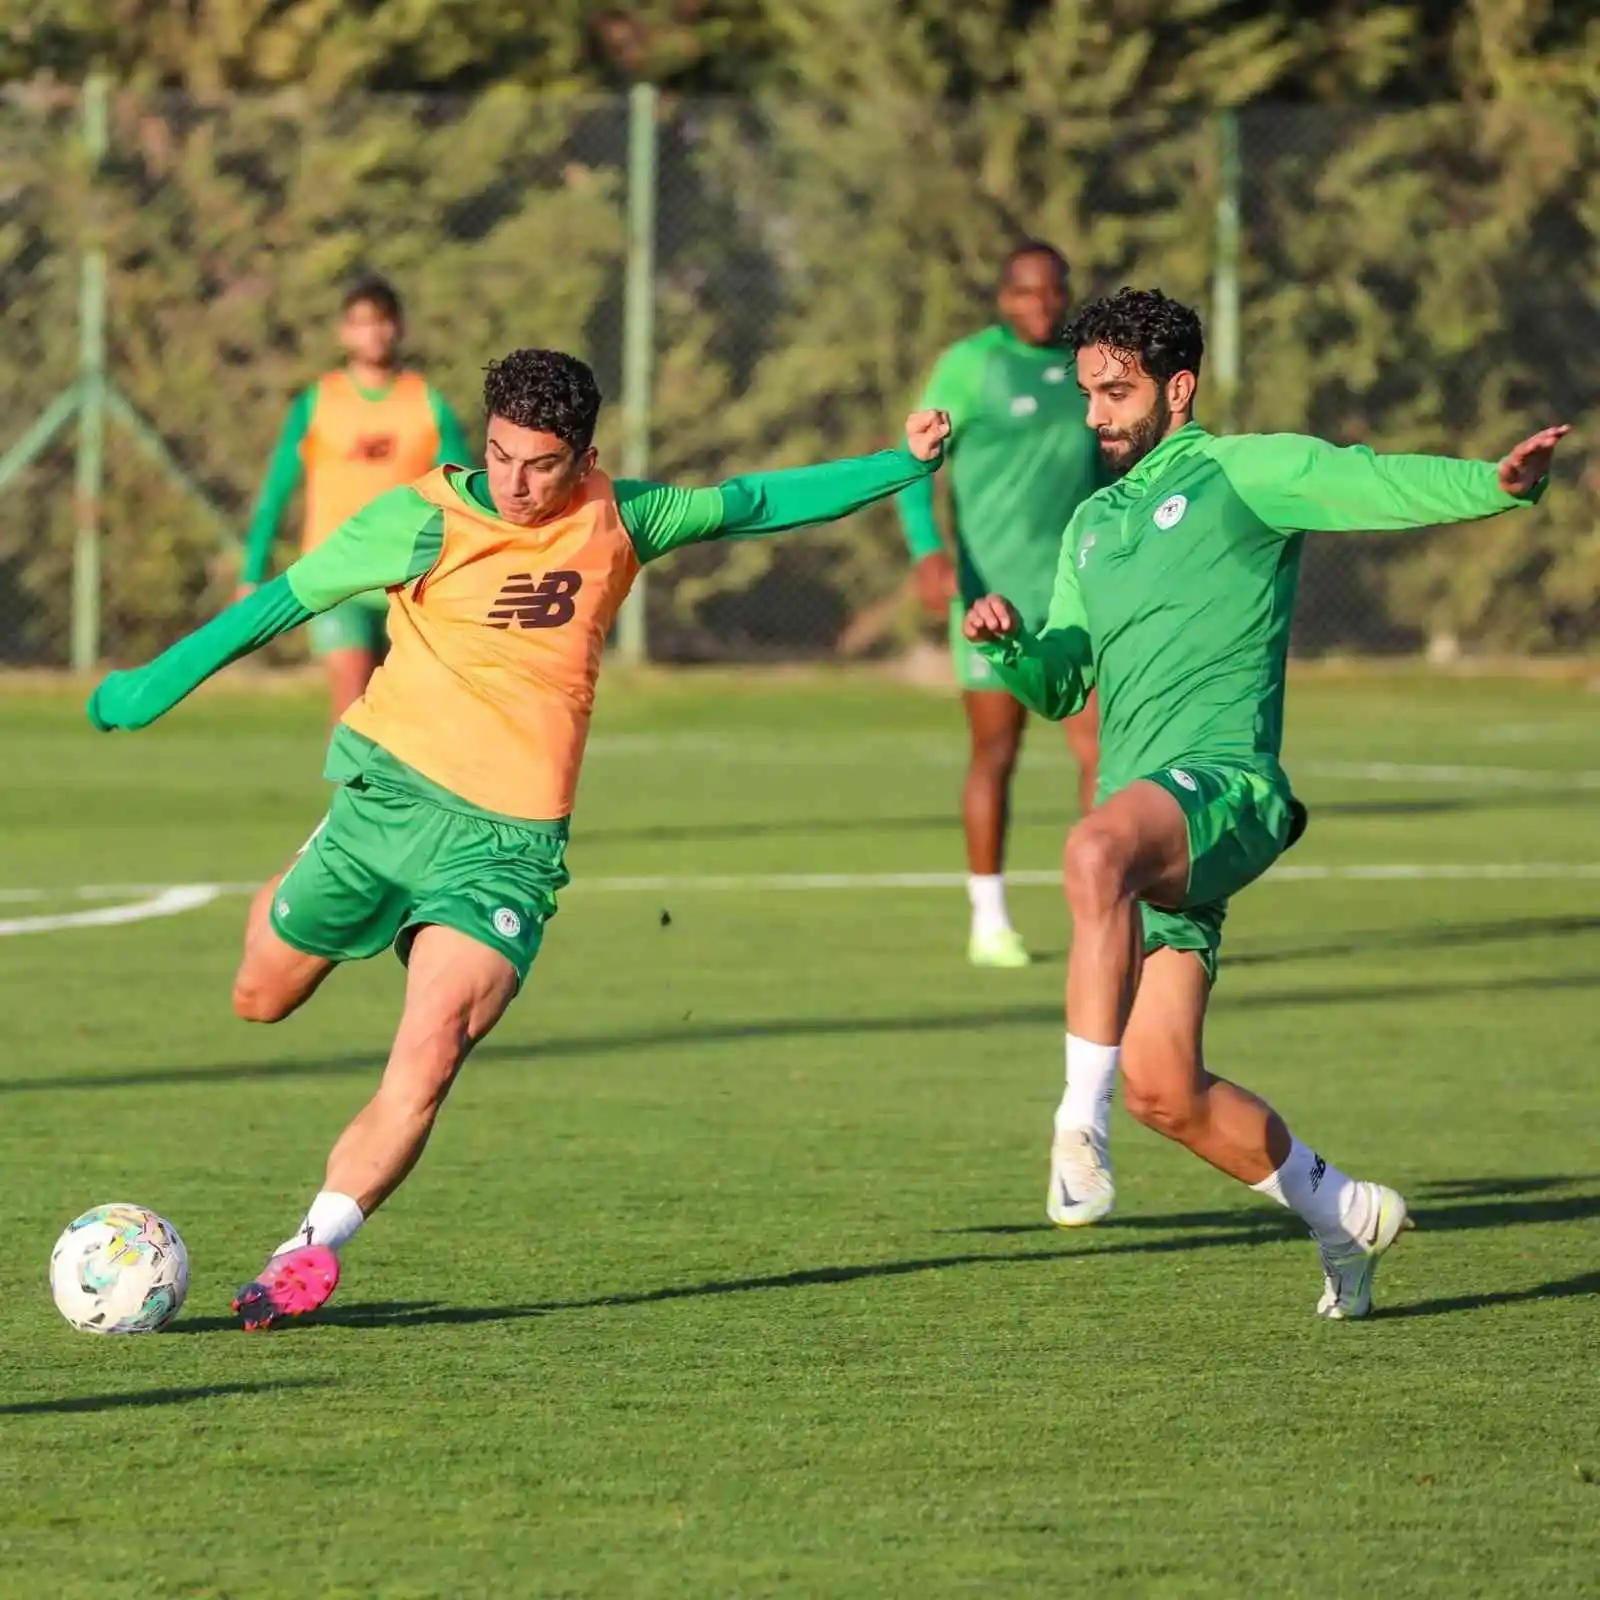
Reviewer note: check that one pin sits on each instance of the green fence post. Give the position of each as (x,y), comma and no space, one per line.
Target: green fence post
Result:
(638,330)
(90,481)
(1223,337)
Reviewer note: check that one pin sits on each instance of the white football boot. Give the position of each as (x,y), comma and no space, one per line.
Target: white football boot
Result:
(1348,1269)
(1081,1186)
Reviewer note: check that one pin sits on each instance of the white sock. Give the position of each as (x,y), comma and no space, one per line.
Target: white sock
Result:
(332,1221)
(1334,1206)
(987,893)
(1091,1080)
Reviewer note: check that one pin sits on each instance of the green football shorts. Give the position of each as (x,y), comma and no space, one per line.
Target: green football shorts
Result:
(359,623)
(974,675)
(384,864)
(1240,821)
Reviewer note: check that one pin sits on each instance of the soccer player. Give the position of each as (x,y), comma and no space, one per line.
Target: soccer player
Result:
(354,433)
(456,770)
(1021,460)
(1174,594)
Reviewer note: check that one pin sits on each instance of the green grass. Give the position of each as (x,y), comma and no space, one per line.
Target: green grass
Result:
(725,1274)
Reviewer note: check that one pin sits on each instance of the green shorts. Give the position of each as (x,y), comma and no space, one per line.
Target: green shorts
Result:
(1240,821)
(974,675)
(359,623)
(384,864)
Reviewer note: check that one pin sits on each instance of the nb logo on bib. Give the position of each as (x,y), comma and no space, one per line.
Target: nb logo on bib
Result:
(545,604)
(1170,512)
(1024,406)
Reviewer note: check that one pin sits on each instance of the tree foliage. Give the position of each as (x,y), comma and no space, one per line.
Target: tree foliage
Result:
(1421,195)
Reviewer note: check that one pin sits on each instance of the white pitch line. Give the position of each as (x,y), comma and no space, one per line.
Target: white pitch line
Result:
(1489,777)
(170,900)
(169,903)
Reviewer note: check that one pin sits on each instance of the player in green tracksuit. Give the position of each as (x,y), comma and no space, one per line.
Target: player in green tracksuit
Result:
(1021,460)
(1174,595)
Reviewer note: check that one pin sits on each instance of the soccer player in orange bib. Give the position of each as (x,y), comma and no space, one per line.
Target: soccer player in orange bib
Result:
(369,427)
(456,770)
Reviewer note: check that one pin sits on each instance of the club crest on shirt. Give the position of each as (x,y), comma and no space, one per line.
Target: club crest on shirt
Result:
(1170,512)
(1055,374)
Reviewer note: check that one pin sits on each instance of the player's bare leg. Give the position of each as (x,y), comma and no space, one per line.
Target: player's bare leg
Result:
(348,673)
(1083,740)
(273,979)
(995,723)
(456,991)
(1165,1083)
(1136,843)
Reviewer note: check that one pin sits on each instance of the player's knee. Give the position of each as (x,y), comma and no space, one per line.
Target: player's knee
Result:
(1095,867)
(995,754)
(256,1002)
(1170,1109)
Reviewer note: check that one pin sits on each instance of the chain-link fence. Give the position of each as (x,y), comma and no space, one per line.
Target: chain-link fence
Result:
(1415,279)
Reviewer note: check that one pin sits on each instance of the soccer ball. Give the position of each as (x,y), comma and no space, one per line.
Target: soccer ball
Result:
(119,1269)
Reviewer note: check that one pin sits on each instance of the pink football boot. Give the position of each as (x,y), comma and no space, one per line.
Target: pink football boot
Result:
(290,1285)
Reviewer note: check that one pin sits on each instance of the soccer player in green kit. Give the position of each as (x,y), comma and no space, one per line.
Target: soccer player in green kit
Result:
(1021,460)
(1174,595)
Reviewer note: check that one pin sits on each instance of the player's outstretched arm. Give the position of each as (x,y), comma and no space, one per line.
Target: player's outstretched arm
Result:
(283,476)
(660,519)
(394,540)
(1299,484)
(1052,671)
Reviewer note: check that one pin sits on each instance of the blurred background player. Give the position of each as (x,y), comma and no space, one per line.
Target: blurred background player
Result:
(355,433)
(1021,460)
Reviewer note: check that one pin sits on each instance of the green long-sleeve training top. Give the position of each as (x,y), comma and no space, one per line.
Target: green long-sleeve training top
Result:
(1175,587)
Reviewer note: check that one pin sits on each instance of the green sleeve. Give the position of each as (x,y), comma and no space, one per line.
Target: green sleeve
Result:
(283,478)
(1051,672)
(660,519)
(454,450)
(392,541)
(952,387)
(1296,484)
(135,699)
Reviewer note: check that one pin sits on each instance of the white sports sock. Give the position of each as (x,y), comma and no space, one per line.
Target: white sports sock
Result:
(332,1220)
(1091,1081)
(987,893)
(1334,1205)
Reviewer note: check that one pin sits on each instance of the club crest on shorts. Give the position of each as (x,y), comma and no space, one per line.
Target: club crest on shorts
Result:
(1170,512)
(507,923)
(1182,779)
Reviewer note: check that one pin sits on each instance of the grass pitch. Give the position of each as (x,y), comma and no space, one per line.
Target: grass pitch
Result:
(726,1272)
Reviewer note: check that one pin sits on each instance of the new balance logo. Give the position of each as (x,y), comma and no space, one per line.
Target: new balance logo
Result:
(1319,1168)
(546,602)
(373,447)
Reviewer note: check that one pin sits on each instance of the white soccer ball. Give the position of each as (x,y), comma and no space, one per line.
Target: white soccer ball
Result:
(119,1269)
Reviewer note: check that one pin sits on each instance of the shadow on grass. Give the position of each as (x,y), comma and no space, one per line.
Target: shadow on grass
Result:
(1587,1283)
(626,1041)
(1477,1203)
(154,1397)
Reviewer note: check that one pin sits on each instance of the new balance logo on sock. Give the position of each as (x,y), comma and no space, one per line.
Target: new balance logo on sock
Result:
(547,603)
(1318,1168)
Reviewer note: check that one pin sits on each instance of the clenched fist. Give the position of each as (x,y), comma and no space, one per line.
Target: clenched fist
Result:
(926,432)
(992,617)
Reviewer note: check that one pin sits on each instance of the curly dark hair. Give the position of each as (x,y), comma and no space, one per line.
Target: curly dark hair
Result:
(376,292)
(1162,335)
(546,390)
